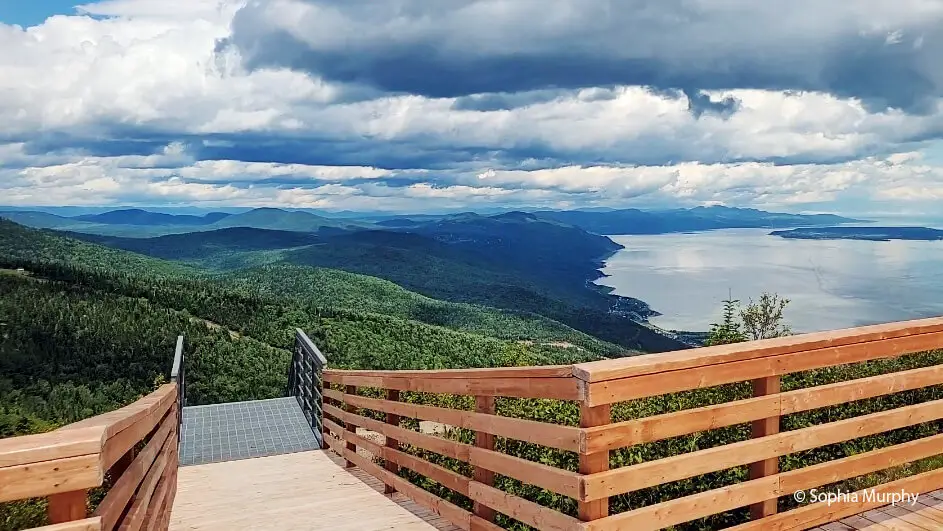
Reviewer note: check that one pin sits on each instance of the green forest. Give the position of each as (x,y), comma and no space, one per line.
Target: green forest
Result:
(86,328)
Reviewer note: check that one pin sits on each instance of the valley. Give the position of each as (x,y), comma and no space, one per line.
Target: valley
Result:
(88,318)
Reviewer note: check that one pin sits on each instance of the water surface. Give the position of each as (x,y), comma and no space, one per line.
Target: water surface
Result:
(831,283)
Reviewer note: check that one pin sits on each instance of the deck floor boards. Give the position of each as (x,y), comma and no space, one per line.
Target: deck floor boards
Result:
(291,492)
(925,515)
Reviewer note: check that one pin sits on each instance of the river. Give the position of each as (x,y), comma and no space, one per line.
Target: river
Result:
(830,283)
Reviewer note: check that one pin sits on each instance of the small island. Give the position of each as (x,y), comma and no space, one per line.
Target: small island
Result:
(878,234)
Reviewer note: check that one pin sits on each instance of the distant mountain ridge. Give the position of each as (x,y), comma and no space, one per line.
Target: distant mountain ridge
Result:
(144,223)
(137,216)
(634,221)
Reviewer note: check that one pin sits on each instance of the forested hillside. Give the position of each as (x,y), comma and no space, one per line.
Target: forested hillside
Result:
(512,261)
(87,328)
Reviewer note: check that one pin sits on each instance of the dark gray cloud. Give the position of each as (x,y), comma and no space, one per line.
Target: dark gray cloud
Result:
(880,51)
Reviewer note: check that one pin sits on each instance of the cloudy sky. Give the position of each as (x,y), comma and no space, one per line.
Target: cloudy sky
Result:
(412,105)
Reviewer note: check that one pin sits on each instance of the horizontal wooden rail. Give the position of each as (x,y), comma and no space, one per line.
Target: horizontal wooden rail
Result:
(561,388)
(63,465)
(907,394)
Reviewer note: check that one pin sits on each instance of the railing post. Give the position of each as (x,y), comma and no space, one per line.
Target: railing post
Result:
(484,404)
(762,428)
(351,447)
(591,417)
(178,376)
(393,396)
(67,506)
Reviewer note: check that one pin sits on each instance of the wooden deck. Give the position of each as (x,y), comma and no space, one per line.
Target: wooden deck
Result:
(925,515)
(299,491)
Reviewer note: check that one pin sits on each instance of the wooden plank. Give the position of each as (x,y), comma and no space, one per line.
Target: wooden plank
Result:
(528,512)
(556,480)
(481,472)
(432,443)
(763,428)
(158,505)
(113,505)
(451,512)
(551,478)
(819,513)
(142,498)
(120,442)
(50,477)
(636,477)
(440,475)
(392,395)
(543,433)
(334,427)
(68,506)
(540,371)
(350,391)
(659,427)
(593,463)
(610,391)
(564,388)
(480,524)
(597,371)
(119,419)
(87,524)
(333,394)
(58,444)
(692,507)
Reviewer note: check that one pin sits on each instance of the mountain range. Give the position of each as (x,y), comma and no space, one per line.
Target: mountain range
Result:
(143,223)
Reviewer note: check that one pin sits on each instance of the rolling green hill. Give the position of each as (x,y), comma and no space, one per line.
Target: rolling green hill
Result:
(294,288)
(512,261)
(332,288)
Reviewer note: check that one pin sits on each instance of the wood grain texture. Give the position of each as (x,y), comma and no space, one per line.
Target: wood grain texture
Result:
(763,428)
(665,426)
(685,509)
(809,516)
(137,513)
(651,473)
(710,375)
(546,434)
(50,477)
(443,476)
(562,388)
(68,506)
(481,472)
(551,478)
(59,444)
(392,395)
(87,524)
(528,512)
(118,443)
(257,493)
(543,371)
(598,371)
(593,463)
(119,419)
(115,502)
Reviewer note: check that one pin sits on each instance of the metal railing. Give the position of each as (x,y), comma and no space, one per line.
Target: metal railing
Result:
(177,376)
(304,381)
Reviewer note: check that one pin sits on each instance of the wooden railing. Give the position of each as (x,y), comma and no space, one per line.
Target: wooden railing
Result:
(467,470)
(132,451)
(304,381)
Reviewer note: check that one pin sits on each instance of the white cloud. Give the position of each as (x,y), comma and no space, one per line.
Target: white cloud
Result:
(150,70)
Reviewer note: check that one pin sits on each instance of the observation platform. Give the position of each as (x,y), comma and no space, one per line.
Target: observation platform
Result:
(391,462)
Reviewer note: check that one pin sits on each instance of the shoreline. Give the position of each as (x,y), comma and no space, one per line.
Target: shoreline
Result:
(637,310)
